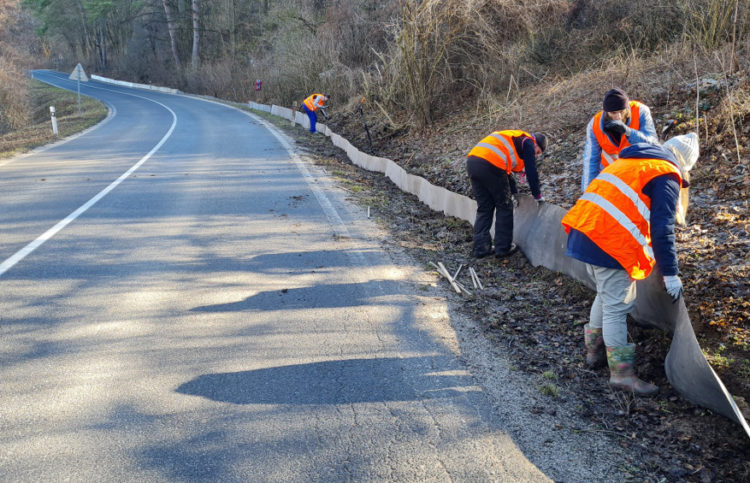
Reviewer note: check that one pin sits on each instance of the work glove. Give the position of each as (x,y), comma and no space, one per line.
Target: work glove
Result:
(673,286)
(617,127)
(514,200)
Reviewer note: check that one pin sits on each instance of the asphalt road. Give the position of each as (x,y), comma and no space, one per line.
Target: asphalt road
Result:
(183,299)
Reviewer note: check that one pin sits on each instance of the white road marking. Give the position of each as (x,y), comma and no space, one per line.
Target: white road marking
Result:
(25,251)
(338,225)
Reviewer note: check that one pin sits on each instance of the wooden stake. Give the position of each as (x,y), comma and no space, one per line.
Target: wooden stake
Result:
(455,276)
(458,287)
(474,274)
(473,277)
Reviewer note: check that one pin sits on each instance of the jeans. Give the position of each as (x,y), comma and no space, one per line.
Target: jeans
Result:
(311,116)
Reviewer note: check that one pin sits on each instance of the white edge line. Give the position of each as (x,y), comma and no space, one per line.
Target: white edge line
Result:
(25,251)
(338,225)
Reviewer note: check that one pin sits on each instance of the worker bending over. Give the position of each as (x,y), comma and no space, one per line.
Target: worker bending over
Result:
(620,123)
(311,105)
(621,227)
(490,165)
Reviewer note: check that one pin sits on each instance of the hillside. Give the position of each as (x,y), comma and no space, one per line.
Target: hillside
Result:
(713,248)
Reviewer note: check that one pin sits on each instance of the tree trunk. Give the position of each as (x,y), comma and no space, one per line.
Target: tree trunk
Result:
(102,48)
(196,35)
(88,43)
(171,28)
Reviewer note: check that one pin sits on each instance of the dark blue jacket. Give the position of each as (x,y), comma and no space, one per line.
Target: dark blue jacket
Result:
(525,146)
(664,192)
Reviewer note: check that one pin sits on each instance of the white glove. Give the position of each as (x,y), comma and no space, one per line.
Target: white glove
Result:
(673,286)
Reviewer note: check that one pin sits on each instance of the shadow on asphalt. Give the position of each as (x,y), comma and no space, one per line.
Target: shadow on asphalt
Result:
(336,382)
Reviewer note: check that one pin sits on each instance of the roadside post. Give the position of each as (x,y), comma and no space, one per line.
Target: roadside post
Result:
(54,120)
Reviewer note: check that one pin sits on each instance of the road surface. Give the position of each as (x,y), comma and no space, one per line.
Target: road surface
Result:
(182,298)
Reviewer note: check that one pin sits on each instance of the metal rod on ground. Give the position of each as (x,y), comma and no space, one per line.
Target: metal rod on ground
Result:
(367,129)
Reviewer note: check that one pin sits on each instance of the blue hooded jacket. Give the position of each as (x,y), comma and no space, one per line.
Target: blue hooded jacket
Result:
(664,192)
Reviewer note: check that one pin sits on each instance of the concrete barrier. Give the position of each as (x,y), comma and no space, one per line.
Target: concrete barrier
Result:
(149,87)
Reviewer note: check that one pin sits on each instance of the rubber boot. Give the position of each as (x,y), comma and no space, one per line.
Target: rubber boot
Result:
(622,373)
(594,340)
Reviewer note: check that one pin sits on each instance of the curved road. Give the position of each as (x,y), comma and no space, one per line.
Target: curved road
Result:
(183,299)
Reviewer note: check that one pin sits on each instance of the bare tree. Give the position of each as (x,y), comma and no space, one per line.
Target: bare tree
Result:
(196,35)
(171,28)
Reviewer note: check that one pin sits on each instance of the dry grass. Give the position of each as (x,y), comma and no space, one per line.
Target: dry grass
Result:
(486,53)
(38,130)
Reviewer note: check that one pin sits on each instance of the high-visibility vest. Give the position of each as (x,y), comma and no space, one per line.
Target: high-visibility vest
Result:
(498,149)
(614,213)
(315,102)
(610,150)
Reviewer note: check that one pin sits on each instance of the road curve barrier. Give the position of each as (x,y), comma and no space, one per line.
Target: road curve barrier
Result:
(539,234)
(135,86)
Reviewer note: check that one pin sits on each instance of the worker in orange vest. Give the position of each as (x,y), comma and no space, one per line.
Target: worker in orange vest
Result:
(312,104)
(622,227)
(490,165)
(620,123)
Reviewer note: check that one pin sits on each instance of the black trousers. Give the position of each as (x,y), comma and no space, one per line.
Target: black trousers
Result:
(492,190)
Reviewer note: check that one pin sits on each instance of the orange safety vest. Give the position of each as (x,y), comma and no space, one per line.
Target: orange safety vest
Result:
(615,214)
(315,102)
(610,150)
(498,149)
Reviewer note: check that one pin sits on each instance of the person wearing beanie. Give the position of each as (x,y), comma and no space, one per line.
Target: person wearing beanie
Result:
(490,166)
(621,228)
(620,123)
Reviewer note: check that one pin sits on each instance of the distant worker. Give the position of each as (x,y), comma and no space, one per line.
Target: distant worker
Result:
(258,84)
(490,165)
(620,123)
(312,104)
(621,227)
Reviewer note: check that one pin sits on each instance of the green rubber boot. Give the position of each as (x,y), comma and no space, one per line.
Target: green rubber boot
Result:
(622,373)
(594,340)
